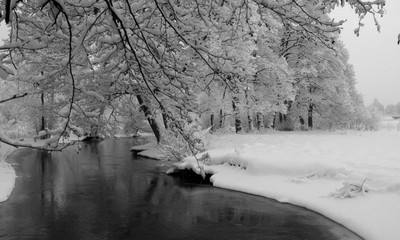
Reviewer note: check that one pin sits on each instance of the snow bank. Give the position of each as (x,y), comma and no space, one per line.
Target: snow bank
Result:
(7,180)
(7,173)
(350,177)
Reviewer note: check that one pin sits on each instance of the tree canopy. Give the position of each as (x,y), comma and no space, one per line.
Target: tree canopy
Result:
(92,62)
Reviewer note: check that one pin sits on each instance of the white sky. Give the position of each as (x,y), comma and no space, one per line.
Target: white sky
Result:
(375,56)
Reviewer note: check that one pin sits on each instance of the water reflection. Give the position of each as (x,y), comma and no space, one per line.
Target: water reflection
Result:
(105,192)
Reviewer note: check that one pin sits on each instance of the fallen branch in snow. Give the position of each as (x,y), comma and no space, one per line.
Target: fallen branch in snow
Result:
(352,189)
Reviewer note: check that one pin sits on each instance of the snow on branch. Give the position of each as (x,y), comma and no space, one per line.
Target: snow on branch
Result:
(47,147)
(94,94)
(15,44)
(77,130)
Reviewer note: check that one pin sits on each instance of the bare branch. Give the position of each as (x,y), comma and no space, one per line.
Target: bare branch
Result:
(13,97)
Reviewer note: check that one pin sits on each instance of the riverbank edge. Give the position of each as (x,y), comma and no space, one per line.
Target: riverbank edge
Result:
(7,172)
(152,150)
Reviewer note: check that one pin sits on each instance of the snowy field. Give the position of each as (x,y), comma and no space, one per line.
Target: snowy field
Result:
(350,177)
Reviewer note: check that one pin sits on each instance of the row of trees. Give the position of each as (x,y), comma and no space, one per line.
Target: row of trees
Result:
(92,65)
(390,109)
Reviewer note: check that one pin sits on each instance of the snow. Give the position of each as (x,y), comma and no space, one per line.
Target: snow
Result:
(7,173)
(321,171)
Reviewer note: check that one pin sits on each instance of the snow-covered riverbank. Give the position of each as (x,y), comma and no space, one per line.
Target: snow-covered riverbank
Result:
(7,173)
(351,177)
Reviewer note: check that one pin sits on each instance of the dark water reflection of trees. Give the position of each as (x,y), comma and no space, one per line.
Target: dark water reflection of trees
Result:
(106,192)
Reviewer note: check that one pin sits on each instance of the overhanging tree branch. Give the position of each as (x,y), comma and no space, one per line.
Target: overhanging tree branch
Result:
(14,97)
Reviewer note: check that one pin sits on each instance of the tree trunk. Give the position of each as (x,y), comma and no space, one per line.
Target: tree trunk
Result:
(221,118)
(310,115)
(273,121)
(50,117)
(153,123)
(301,120)
(43,121)
(249,112)
(43,125)
(285,118)
(94,130)
(164,117)
(238,121)
(250,121)
(260,122)
(212,122)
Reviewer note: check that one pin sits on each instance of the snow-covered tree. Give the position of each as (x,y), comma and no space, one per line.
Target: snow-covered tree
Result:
(390,109)
(377,106)
(162,52)
(398,108)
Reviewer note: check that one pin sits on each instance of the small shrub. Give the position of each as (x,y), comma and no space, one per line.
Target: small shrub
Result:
(304,128)
(285,126)
(224,130)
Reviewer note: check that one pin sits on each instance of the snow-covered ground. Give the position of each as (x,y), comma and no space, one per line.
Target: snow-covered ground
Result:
(350,177)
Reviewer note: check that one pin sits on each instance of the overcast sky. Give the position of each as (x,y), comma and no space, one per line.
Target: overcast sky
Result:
(375,56)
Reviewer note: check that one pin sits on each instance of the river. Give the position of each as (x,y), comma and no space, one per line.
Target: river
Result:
(107,192)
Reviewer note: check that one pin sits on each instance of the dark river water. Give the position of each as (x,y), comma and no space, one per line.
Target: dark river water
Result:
(106,192)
